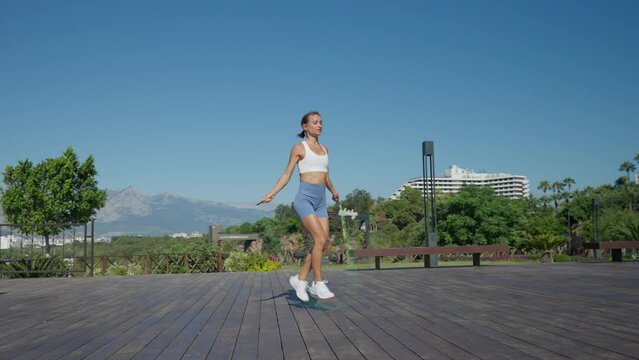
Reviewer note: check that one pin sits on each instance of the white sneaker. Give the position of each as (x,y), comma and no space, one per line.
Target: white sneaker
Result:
(320,290)
(300,287)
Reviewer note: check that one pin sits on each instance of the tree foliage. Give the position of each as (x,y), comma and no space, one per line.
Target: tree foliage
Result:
(406,210)
(477,216)
(57,190)
(358,200)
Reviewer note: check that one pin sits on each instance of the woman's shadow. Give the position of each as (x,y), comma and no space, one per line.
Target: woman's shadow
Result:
(294,301)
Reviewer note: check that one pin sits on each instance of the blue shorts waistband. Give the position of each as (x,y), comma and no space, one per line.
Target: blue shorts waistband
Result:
(311,185)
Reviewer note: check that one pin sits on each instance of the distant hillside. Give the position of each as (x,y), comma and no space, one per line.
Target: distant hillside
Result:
(131,211)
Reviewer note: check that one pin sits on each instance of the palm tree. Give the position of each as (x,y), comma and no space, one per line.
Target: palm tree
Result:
(544,186)
(546,243)
(557,187)
(627,166)
(568,182)
(628,230)
(637,158)
(621,181)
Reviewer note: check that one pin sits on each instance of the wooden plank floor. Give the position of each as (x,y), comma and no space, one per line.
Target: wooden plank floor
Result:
(560,311)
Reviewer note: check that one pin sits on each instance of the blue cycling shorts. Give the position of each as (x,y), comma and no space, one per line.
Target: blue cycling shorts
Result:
(310,199)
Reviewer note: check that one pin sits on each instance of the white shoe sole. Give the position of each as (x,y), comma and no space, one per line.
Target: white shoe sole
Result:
(322,298)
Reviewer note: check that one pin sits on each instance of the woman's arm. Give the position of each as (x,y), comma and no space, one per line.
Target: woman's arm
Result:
(331,188)
(296,154)
(329,184)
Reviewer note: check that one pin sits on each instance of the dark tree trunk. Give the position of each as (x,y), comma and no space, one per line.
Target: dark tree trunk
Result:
(47,245)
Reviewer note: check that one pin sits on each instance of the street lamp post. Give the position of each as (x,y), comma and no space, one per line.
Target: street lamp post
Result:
(428,165)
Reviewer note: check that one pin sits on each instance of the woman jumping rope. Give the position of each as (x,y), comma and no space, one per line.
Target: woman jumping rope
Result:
(310,202)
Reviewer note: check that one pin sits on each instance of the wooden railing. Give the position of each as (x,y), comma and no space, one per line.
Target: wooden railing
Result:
(160,263)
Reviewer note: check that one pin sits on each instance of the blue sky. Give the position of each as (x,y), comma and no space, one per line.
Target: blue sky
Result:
(203,98)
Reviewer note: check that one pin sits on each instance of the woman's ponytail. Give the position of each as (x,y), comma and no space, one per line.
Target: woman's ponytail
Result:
(302,134)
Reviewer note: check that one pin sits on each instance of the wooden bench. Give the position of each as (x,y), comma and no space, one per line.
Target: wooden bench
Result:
(476,250)
(615,247)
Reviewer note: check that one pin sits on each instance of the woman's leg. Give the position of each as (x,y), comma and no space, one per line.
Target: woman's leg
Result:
(306,267)
(324,222)
(314,226)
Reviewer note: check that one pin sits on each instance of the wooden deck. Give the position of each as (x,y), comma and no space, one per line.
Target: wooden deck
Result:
(576,311)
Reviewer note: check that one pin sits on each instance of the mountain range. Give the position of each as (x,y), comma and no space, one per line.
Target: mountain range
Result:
(130,211)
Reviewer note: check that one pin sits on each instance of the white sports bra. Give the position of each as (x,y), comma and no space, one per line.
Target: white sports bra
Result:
(312,161)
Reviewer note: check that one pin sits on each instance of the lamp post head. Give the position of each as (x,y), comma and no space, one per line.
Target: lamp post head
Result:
(428,148)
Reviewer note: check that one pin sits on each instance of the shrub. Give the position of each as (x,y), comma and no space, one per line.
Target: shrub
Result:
(271,265)
(236,261)
(48,266)
(627,230)
(125,269)
(546,243)
(117,270)
(300,254)
(255,261)
(534,257)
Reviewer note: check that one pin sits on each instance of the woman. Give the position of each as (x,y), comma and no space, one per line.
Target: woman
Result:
(310,202)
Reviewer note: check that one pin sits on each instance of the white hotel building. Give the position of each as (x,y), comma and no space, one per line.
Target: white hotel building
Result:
(512,186)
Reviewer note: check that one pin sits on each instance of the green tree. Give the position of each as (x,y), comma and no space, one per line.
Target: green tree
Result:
(358,200)
(286,220)
(580,207)
(628,229)
(406,210)
(386,236)
(544,224)
(57,190)
(557,187)
(268,230)
(544,186)
(626,192)
(244,228)
(271,230)
(413,234)
(569,182)
(627,166)
(477,216)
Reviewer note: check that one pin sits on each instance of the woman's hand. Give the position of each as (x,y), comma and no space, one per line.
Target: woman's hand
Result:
(336,197)
(267,198)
